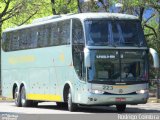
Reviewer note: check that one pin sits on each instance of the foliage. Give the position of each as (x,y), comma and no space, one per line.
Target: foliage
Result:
(64,6)
(23,11)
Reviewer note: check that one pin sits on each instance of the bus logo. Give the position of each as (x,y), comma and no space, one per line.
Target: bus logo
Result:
(120,91)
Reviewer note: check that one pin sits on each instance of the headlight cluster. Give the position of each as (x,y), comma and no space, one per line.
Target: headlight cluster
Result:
(97,91)
(142,91)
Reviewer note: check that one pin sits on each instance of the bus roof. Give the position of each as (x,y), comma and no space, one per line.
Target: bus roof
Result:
(81,16)
(84,16)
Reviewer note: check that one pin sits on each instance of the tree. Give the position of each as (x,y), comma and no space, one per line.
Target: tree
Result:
(19,12)
(64,6)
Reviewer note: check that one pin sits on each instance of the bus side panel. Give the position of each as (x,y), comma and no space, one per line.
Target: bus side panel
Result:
(52,83)
(11,77)
(38,80)
(41,71)
(7,82)
(61,78)
(62,65)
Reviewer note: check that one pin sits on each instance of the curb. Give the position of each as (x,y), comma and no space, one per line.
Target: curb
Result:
(5,99)
(153,100)
(150,100)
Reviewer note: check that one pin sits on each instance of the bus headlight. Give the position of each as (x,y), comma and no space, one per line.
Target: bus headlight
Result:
(142,91)
(97,91)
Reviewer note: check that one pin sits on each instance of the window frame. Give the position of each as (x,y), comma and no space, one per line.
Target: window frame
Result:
(10,48)
(77,49)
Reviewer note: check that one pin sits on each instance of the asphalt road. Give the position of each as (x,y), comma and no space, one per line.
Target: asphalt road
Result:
(51,108)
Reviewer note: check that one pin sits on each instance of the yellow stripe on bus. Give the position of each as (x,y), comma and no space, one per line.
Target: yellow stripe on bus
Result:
(44,97)
(21,59)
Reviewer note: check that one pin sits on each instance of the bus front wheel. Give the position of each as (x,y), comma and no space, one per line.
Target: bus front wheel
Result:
(121,108)
(71,106)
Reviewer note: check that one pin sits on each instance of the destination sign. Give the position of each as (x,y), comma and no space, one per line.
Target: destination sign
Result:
(105,56)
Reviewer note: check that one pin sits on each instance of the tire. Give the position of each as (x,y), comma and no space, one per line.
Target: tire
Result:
(24,101)
(17,97)
(61,104)
(71,106)
(121,108)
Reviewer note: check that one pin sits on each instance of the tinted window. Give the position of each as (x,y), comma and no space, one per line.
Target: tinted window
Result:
(59,33)
(77,32)
(114,33)
(118,65)
(6,41)
(54,34)
(15,41)
(78,46)
(25,39)
(64,32)
(42,36)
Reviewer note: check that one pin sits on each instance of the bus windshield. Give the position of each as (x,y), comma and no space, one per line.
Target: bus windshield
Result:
(114,33)
(118,66)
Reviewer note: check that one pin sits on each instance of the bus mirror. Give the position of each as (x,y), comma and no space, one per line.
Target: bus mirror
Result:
(155,58)
(87,57)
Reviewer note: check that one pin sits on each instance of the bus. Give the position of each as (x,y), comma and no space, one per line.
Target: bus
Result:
(92,59)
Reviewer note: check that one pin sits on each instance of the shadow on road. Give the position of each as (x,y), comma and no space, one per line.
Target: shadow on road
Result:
(100,109)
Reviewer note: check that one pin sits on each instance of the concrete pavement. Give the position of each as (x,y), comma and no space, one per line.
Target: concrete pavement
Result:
(51,108)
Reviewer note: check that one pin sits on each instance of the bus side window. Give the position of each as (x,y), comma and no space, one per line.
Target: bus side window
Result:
(47,35)
(43,36)
(77,32)
(22,39)
(14,41)
(54,34)
(64,32)
(60,33)
(34,38)
(78,46)
(40,36)
(6,41)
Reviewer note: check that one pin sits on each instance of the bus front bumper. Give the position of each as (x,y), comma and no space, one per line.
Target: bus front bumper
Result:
(101,99)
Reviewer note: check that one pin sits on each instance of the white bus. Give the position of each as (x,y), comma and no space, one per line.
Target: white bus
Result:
(80,59)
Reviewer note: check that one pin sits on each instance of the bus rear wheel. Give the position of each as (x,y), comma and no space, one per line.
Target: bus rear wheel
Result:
(17,99)
(121,108)
(71,106)
(24,101)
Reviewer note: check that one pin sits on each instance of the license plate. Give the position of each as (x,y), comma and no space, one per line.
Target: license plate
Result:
(120,99)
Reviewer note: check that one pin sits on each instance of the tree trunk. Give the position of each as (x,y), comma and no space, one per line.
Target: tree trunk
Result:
(159,24)
(0,31)
(53,9)
(0,55)
(141,13)
(79,7)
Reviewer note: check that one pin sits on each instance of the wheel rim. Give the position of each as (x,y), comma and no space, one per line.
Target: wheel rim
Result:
(23,97)
(16,96)
(69,100)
